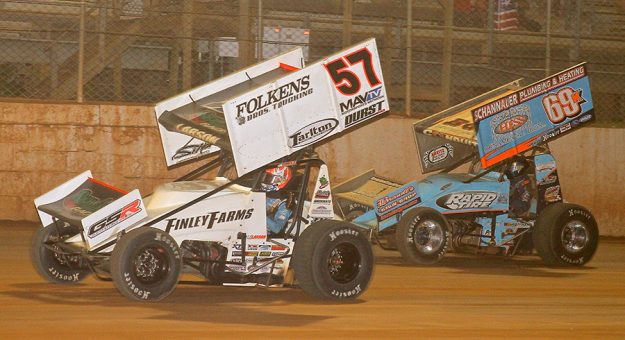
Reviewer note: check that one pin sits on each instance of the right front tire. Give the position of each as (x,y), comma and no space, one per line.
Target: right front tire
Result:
(565,235)
(146,264)
(422,236)
(333,260)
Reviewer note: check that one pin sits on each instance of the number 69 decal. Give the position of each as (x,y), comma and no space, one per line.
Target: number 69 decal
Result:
(346,81)
(566,103)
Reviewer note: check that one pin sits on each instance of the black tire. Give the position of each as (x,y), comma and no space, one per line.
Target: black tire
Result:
(50,265)
(565,235)
(422,236)
(333,260)
(146,264)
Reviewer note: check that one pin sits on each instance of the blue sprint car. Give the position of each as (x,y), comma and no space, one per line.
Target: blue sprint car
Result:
(508,202)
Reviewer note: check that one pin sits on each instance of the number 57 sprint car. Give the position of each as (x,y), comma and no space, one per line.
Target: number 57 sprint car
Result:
(274,219)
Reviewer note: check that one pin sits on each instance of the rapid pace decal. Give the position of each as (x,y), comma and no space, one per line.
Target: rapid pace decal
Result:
(478,200)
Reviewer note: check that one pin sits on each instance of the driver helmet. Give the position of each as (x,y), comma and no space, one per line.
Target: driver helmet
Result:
(276,178)
(517,167)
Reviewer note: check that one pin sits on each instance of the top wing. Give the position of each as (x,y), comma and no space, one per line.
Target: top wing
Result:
(533,115)
(271,110)
(192,124)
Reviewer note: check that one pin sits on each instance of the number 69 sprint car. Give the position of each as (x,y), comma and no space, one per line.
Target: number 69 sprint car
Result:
(259,228)
(510,202)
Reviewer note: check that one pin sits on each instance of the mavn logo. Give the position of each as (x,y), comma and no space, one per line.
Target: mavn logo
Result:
(208,220)
(117,217)
(361,100)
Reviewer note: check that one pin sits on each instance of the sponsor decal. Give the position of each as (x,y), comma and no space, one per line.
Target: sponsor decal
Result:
(553,194)
(397,202)
(264,253)
(323,181)
(511,124)
(84,202)
(585,118)
(361,100)
(312,132)
(237,246)
(277,253)
(517,120)
(363,114)
(467,200)
(256,237)
(114,219)
(322,194)
(438,154)
(209,220)
(252,247)
(495,107)
(321,205)
(278,248)
(546,166)
(549,179)
(273,99)
(189,150)
(264,247)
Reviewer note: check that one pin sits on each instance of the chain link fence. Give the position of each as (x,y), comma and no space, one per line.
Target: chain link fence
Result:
(439,53)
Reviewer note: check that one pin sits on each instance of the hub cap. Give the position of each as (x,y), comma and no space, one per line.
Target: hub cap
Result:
(428,237)
(574,236)
(344,263)
(151,264)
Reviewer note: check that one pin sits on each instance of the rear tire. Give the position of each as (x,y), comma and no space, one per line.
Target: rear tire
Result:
(146,264)
(565,235)
(50,265)
(422,236)
(333,260)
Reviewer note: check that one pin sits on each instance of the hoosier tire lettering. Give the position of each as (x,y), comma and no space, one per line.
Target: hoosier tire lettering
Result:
(423,236)
(333,260)
(146,264)
(50,262)
(565,235)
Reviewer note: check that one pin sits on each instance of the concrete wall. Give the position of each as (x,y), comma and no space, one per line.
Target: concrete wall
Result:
(43,145)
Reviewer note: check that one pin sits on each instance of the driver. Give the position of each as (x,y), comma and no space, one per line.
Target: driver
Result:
(278,201)
(520,194)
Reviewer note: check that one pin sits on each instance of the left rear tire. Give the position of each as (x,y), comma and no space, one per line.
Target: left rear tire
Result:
(48,258)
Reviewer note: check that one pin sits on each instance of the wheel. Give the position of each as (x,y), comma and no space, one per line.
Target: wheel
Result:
(49,262)
(333,260)
(146,264)
(422,236)
(565,235)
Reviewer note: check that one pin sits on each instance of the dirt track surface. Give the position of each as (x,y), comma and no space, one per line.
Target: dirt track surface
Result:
(464,296)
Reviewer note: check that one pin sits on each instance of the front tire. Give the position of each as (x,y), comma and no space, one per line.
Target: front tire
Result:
(333,260)
(146,264)
(49,263)
(565,235)
(422,236)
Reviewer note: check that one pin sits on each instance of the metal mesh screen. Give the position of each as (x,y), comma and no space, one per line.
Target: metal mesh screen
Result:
(439,53)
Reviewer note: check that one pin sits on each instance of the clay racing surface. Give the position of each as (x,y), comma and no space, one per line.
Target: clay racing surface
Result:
(463,296)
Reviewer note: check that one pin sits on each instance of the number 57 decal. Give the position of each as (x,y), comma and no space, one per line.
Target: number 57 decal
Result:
(346,81)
